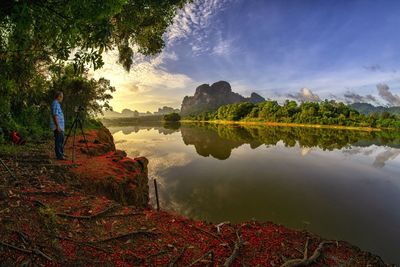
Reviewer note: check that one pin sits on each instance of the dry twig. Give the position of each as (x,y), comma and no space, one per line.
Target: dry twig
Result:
(173,263)
(238,244)
(205,231)
(211,252)
(305,260)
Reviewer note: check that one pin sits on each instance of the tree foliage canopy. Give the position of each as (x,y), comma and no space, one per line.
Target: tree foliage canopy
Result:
(325,113)
(38,38)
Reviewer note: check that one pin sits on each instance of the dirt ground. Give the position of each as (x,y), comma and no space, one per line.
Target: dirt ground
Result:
(56,213)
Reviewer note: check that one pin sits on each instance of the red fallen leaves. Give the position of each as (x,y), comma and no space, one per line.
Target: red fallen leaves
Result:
(69,249)
(112,173)
(265,244)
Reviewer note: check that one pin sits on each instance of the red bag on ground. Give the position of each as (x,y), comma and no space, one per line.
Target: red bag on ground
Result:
(16,138)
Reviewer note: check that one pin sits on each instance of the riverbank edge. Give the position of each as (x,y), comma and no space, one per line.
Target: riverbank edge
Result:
(369,129)
(283,124)
(253,243)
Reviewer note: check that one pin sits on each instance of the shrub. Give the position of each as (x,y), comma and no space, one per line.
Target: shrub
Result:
(172,117)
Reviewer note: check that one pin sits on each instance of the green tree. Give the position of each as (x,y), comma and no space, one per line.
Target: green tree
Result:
(172,117)
(80,91)
(37,36)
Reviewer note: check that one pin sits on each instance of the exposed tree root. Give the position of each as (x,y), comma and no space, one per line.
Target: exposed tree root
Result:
(124,215)
(82,243)
(140,232)
(65,215)
(305,260)
(16,248)
(28,251)
(238,244)
(58,193)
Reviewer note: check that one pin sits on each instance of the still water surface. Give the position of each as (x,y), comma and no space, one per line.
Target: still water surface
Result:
(342,185)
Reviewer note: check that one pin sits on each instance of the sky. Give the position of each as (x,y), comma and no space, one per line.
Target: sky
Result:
(300,49)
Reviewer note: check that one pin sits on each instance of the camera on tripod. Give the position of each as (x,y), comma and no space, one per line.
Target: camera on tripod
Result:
(77,123)
(79,108)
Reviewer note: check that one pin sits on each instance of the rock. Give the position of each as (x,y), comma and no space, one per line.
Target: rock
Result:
(210,98)
(104,144)
(118,155)
(135,164)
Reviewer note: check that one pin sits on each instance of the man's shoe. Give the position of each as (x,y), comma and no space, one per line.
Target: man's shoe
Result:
(62,158)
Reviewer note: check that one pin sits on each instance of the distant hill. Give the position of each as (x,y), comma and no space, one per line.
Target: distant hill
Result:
(166,110)
(126,113)
(210,98)
(366,108)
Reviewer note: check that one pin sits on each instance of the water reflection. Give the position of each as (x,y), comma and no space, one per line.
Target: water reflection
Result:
(219,140)
(339,184)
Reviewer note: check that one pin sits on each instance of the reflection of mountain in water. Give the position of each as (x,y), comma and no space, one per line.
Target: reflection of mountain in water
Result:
(126,130)
(208,142)
(219,140)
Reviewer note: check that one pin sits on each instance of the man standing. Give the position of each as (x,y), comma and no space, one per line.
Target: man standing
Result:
(57,125)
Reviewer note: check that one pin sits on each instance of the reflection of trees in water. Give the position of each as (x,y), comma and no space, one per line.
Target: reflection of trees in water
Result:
(218,140)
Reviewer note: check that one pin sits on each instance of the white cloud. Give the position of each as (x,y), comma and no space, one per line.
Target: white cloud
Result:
(149,84)
(136,88)
(222,48)
(196,22)
(305,95)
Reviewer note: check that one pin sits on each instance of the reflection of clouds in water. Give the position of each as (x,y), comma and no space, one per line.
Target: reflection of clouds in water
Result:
(305,151)
(120,141)
(389,154)
(361,150)
(158,164)
(380,154)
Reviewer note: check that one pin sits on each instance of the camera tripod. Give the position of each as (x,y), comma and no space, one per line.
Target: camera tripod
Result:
(77,123)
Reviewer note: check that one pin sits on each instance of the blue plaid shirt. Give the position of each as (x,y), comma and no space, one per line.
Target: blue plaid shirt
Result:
(56,110)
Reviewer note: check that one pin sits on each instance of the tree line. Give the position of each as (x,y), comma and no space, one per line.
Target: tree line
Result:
(328,112)
(50,45)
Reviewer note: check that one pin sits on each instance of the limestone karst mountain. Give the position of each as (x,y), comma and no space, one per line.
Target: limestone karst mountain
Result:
(210,98)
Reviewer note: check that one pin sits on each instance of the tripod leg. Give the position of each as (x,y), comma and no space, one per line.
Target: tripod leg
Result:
(84,137)
(69,133)
(73,144)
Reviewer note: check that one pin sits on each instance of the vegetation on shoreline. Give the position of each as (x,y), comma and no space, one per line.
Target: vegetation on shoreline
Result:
(307,113)
(172,117)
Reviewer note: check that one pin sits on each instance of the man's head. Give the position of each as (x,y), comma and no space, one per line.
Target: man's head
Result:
(58,95)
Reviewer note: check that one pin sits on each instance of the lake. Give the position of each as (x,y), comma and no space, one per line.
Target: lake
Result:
(340,184)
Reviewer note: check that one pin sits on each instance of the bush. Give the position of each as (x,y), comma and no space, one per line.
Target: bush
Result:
(172,117)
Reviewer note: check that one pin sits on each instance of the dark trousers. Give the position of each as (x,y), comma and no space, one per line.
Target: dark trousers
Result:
(59,141)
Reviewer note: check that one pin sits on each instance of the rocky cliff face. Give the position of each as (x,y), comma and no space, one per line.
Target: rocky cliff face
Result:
(210,98)
(110,172)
